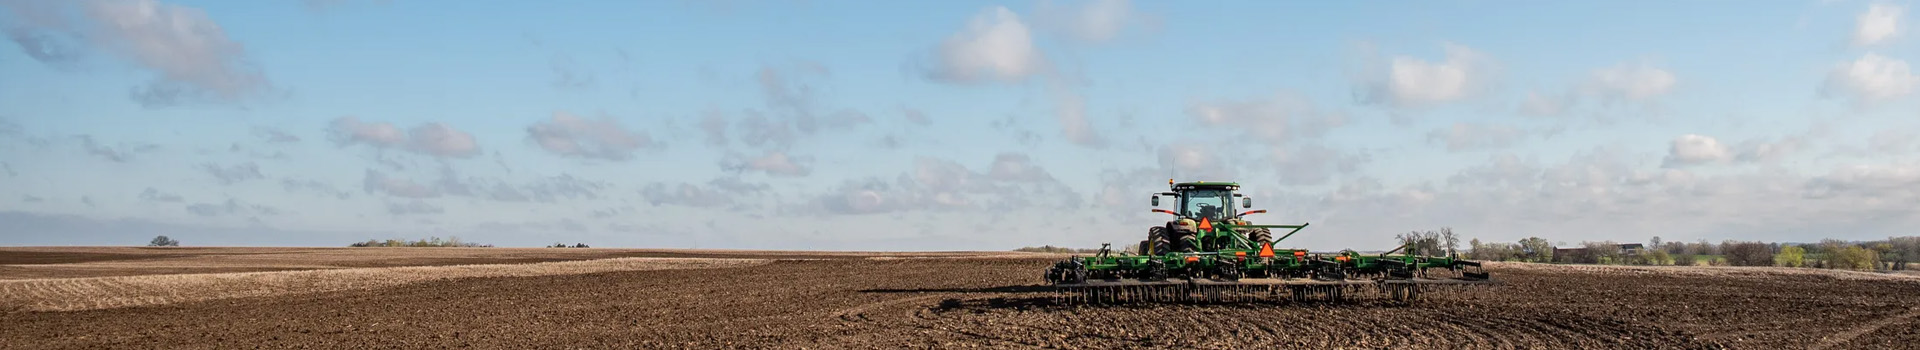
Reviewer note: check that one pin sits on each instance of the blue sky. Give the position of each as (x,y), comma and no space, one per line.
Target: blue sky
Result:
(949,125)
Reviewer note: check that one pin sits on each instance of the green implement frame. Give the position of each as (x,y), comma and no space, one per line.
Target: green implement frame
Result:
(1222,257)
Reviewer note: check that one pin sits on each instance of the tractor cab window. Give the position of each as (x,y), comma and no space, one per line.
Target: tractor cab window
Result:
(1207,203)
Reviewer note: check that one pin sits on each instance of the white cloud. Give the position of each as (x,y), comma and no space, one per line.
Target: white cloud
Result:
(1071,109)
(1016,167)
(348,130)
(1893,141)
(1872,78)
(442,140)
(1414,82)
(1089,21)
(1760,150)
(773,163)
(1691,149)
(572,136)
(1880,23)
(191,54)
(1633,81)
(434,139)
(994,46)
(1198,162)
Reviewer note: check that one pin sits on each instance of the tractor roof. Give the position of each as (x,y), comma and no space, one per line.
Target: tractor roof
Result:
(1206,185)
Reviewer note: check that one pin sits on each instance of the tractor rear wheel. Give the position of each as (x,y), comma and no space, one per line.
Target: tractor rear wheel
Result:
(1159,242)
(1188,241)
(1260,236)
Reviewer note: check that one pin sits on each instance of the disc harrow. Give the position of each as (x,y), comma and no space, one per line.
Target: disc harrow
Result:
(1209,255)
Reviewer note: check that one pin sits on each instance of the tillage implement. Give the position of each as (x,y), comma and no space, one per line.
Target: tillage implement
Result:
(1208,253)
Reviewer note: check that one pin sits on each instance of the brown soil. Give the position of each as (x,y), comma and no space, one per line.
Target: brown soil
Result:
(59,262)
(992,303)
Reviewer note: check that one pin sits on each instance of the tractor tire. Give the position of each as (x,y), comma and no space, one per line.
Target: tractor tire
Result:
(1187,242)
(1260,236)
(1157,238)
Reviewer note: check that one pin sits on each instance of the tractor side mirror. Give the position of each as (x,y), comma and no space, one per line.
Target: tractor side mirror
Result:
(1156,200)
(1246,202)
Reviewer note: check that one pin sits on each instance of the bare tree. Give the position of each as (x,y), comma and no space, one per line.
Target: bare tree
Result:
(163,241)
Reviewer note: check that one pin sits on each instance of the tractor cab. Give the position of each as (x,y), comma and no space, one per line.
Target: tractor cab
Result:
(1204,220)
(1213,201)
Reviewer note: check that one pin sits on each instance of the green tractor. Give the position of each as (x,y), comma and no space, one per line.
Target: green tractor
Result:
(1209,253)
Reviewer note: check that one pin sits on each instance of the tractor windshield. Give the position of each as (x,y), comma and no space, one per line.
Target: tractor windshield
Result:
(1207,203)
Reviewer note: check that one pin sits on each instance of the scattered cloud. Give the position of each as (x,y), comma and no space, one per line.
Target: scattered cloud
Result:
(1407,81)
(1894,141)
(1537,104)
(155,195)
(916,117)
(571,136)
(438,139)
(547,190)
(293,185)
(943,185)
(350,130)
(1464,136)
(1692,149)
(1872,78)
(567,75)
(233,174)
(1279,119)
(1200,162)
(772,163)
(230,207)
(190,54)
(1071,108)
(1880,23)
(725,191)
(271,135)
(433,139)
(1016,167)
(379,182)
(995,46)
(121,153)
(414,207)
(1634,82)
(714,124)
(758,130)
(1091,21)
(1313,163)
(1761,150)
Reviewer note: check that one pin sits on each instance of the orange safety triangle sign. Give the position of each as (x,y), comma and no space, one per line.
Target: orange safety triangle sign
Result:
(1205,225)
(1266,250)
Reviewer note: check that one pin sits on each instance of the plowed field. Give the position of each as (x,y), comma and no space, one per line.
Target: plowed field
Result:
(960,301)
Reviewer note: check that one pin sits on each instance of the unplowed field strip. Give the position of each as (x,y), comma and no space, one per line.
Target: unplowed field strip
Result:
(990,303)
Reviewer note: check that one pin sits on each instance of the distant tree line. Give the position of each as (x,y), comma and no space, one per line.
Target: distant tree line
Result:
(564,245)
(1893,253)
(429,242)
(1058,249)
(163,241)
